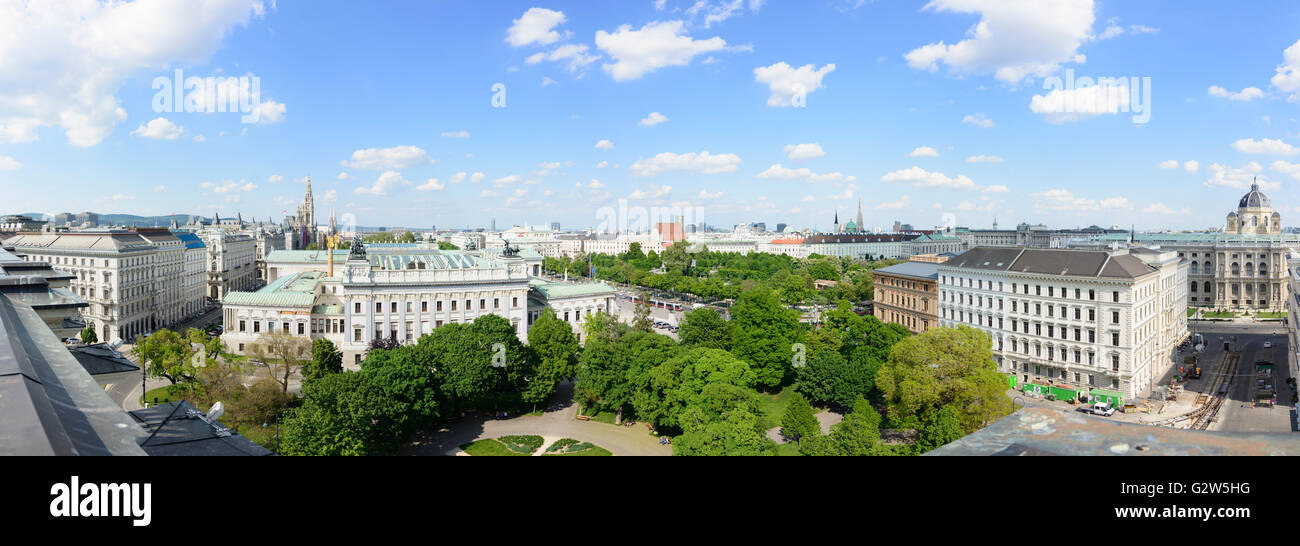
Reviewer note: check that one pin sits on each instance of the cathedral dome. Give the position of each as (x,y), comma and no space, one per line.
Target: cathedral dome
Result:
(1254,199)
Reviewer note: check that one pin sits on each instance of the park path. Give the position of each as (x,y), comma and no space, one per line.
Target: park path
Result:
(558,421)
(825,419)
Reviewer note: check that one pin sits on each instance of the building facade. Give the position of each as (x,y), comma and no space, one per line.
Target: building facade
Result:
(1082,319)
(908,294)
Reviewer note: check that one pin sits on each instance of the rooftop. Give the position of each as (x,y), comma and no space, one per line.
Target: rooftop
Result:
(556,290)
(178,428)
(920,270)
(297,290)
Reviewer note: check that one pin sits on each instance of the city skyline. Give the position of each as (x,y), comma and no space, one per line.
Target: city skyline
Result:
(537,112)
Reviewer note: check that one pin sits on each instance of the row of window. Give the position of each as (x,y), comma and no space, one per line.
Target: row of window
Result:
(1023,288)
(424,305)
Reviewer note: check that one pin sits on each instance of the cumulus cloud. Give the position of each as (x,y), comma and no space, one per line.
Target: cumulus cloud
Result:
(232,191)
(1264,146)
(922,178)
(275,178)
(62,63)
(979,120)
(386,183)
(456,134)
(656,45)
(395,158)
(804,151)
(1292,169)
(791,85)
(159,128)
(984,159)
(1062,105)
(1062,200)
(655,118)
(605,145)
(1239,178)
(574,54)
(535,26)
(1192,166)
(9,164)
(1170,164)
(924,151)
(1245,95)
(699,163)
(704,194)
(1013,40)
(431,185)
(1287,78)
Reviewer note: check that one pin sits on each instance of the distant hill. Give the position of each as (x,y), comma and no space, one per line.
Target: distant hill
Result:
(132,220)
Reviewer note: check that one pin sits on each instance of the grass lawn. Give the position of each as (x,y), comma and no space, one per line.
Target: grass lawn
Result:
(774,406)
(569,446)
(169,393)
(1218,314)
(788,450)
(606,417)
(1272,315)
(490,447)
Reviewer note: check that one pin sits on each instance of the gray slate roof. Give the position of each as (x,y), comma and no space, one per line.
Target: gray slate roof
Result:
(920,270)
(1074,263)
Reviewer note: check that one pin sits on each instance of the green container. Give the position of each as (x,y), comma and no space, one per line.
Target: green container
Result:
(1115,399)
(1012,381)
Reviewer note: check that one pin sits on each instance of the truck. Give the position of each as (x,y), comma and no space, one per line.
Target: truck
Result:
(1099,408)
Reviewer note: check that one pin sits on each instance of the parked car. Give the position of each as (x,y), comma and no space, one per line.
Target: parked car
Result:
(1099,408)
(1268,344)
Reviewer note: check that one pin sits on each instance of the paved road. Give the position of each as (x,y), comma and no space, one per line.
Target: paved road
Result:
(557,422)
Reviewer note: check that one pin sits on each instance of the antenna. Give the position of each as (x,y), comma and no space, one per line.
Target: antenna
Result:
(215,412)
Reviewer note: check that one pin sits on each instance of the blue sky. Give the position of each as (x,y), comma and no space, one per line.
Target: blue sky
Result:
(925,112)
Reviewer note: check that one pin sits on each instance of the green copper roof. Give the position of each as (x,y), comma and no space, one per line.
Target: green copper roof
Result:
(298,290)
(554,290)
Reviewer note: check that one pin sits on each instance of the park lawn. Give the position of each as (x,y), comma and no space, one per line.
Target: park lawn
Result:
(606,417)
(490,447)
(593,451)
(788,450)
(163,395)
(1219,314)
(774,406)
(1272,315)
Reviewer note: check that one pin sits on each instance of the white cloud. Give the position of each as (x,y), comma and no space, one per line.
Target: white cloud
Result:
(791,85)
(967,206)
(9,164)
(799,152)
(1264,146)
(535,26)
(200,138)
(1013,40)
(159,128)
(489,193)
(1192,166)
(605,145)
(1287,78)
(1157,208)
(458,177)
(269,112)
(902,203)
(701,163)
(511,179)
(275,178)
(720,11)
(924,151)
(546,80)
(996,188)
(1292,169)
(924,179)
(395,158)
(62,63)
(575,54)
(344,176)
(602,164)
(231,190)
(979,120)
(655,192)
(456,134)
(1062,200)
(704,194)
(1245,95)
(779,172)
(654,46)
(476,178)
(1062,105)
(387,182)
(655,118)
(1170,164)
(984,159)
(431,185)
(1239,178)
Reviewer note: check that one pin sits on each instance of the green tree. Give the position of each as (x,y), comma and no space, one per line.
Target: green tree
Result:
(284,355)
(444,245)
(859,433)
(641,314)
(763,332)
(557,352)
(940,430)
(88,336)
(167,355)
(406,237)
(940,367)
(704,327)
(325,359)
(725,421)
(799,420)
(832,379)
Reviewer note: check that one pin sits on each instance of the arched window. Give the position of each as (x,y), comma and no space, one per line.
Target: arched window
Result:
(1207,287)
(1236,269)
(1194,269)
(1193,287)
(1250,269)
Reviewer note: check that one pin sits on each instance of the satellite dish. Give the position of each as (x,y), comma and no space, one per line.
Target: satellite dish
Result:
(117,342)
(215,412)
